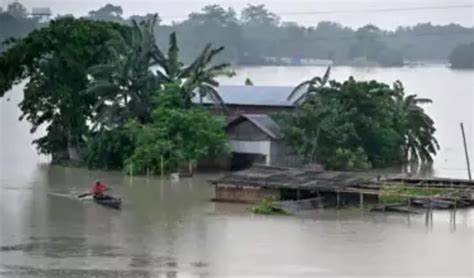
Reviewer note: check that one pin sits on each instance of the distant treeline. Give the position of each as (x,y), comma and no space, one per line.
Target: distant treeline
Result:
(259,36)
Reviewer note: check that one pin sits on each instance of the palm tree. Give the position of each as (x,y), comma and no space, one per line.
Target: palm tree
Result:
(124,86)
(416,127)
(199,77)
(309,88)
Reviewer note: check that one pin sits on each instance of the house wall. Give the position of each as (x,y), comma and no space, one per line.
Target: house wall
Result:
(253,147)
(243,194)
(283,155)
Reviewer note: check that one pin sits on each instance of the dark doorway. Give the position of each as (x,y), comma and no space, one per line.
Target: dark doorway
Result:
(242,161)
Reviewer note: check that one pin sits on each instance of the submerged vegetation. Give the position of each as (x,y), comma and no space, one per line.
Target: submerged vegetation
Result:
(267,206)
(400,193)
(109,97)
(92,84)
(356,125)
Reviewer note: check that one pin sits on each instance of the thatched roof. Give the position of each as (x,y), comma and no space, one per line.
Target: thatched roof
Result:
(291,178)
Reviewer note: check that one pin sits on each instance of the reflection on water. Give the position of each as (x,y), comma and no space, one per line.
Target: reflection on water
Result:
(170,229)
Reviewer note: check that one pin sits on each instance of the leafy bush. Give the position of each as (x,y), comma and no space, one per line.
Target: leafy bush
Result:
(108,149)
(267,206)
(358,124)
(178,135)
(349,160)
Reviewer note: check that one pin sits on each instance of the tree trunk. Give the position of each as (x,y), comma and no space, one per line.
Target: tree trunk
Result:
(73,149)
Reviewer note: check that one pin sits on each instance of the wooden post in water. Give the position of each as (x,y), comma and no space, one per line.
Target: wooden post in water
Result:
(466,153)
(361,200)
(337,199)
(161,166)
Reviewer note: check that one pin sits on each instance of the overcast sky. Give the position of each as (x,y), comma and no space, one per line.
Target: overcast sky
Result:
(353,13)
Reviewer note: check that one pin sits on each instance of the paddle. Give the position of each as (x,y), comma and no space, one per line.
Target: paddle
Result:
(84,195)
(88,194)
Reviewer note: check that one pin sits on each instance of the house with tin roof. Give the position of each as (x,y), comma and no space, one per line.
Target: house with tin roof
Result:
(254,137)
(241,100)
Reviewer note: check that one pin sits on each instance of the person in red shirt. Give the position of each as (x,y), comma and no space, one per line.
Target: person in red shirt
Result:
(98,190)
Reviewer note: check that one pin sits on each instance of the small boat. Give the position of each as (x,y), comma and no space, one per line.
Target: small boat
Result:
(109,201)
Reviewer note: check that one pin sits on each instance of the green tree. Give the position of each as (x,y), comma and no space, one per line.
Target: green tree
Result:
(369,45)
(358,124)
(177,135)
(462,56)
(16,9)
(309,88)
(259,15)
(415,126)
(108,12)
(124,85)
(54,61)
(198,78)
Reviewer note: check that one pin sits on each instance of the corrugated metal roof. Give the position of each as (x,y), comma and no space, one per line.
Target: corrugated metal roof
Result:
(254,95)
(264,122)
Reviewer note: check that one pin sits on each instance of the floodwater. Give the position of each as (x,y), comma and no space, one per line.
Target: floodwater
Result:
(168,229)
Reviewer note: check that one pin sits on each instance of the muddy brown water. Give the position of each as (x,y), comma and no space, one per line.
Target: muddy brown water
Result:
(168,229)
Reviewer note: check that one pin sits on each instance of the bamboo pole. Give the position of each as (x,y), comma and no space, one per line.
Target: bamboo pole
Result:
(465,152)
(161,166)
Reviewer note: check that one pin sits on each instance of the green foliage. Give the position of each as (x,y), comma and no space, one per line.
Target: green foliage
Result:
(257,33)
(356,125)
(90,83)
(176,134)
(462,56)
(108,149)
(108,12)
(197,78)
(124,85)
(55,60)
(349,160)
(369,45)
(400,193)
(267,206)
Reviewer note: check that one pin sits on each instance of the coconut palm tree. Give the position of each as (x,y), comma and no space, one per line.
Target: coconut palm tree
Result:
(415,126)
(309,88)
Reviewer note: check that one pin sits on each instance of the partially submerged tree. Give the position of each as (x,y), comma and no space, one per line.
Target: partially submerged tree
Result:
(176,136)
(138,89)
(54,61)
(358,124)
(415,126)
